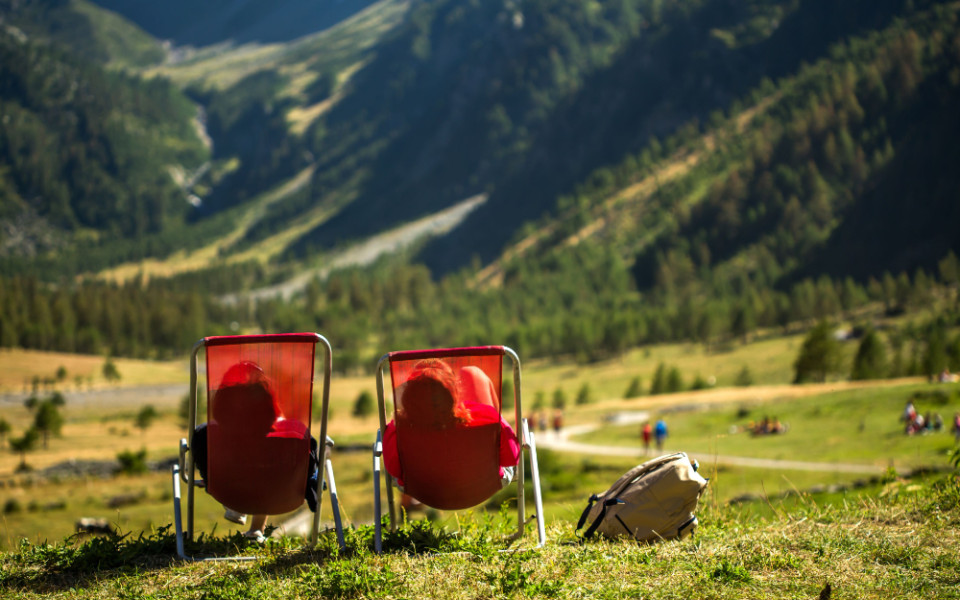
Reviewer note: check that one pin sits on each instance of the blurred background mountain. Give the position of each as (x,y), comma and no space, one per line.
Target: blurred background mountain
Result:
(620,172)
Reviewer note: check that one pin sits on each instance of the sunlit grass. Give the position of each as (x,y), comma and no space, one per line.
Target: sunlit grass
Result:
(853,426)
(897,542)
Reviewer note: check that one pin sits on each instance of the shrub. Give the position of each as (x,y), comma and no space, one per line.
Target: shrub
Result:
(11,506)
(635,389)
(133,463)
(659,383)
(699,383)
(871,359)
(584,395)
(674,381)
(819,356)
(559,398)
(363,405)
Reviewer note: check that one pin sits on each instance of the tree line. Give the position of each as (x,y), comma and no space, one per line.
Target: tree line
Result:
(582,304)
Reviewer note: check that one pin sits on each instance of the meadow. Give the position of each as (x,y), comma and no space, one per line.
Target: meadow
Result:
(833,423)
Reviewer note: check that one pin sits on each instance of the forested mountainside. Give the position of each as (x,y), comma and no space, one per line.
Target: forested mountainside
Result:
(653,171)
(838,170)
(188,22)
(83,30)
(84,149)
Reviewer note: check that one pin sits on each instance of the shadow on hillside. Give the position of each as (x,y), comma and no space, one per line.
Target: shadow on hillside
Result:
(82,563)
(207,23)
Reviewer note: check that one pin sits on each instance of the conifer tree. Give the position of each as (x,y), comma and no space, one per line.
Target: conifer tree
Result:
(23,444)
(145,418)
(47,421)
(871,359)
(659,383)
(363,405)
(584,395)
(819,356)
(559,399)
(674,381)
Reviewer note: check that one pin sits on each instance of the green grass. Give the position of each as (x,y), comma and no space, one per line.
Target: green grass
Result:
(853,426)
(899,542)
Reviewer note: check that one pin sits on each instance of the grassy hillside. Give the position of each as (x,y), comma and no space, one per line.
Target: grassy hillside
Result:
(778,142)
(234,21)
(87,31)
(903,537)
(99,424)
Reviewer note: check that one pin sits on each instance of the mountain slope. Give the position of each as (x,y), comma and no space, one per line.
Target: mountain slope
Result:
(88,32)
(839,170)
(186,22)
(86,152)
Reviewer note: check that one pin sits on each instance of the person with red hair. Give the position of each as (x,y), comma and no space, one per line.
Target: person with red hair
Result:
(434,397)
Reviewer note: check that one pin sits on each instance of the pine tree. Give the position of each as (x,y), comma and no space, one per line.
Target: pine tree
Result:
(110,372)
(659,384)
(363,405)
(935,354)
(819,356)
(5,429)
(23,444)
(674,381)
(871,359)
(47,421)
(559,399)
(145,418)
(584,395)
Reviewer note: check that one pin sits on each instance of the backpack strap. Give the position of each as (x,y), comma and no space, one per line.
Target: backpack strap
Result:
(586,511)
(603,513)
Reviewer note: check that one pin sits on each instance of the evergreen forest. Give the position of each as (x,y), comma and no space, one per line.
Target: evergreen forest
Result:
(650,171)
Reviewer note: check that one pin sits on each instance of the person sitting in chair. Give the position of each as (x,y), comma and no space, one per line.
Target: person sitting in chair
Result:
(245,408)
(436,398)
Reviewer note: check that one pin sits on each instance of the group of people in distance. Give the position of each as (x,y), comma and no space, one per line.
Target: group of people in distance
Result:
(915,423)
(433,395)
(657,432)
(766,426)
(539,420)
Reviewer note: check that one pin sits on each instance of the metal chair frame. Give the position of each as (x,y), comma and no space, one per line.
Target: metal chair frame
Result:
(527,442)
(185,470)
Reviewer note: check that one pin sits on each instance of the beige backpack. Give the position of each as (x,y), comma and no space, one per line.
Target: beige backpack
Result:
(652,501)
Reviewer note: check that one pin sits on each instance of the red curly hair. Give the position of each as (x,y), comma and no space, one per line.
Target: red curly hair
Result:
(430,397)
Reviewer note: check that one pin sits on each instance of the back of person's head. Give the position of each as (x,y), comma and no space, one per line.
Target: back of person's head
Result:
(244,399)
(429,399)
(436,368)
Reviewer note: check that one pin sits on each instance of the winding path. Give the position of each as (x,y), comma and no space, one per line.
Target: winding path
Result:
(562,442)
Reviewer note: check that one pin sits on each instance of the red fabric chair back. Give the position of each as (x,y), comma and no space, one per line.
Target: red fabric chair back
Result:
(447,467)
(260,391)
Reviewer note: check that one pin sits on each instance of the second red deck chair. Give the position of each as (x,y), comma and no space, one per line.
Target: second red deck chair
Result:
(455,463)
(258,428)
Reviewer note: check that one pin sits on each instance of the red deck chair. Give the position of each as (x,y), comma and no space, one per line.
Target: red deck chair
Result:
(452,468)
(260,391)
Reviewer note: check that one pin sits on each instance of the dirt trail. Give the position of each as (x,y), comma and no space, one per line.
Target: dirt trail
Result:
(563,442)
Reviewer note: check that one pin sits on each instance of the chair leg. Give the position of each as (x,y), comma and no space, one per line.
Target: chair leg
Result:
(537,496)
(177,517)
(335,505)
(377,533)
